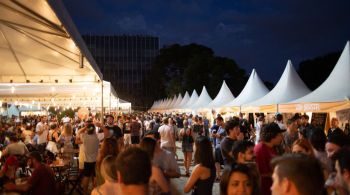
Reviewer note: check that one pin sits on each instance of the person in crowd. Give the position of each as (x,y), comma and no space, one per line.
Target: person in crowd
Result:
(218,135)
(90,144)
(290,136)
(187,148)
(134,170)
(238,179)
(335,142)
(271,136)
(110,129)
(334,127)
(108,171)
(167,136)
(15,147)
(318,141)
(173,125)
(305,127)
(66,140)
(8,170)
(279,121)
(259,125)
(42,130)
(109,147)
(342,166)
(126,132)
(53,139)
(157,183)
(297,174)
(135,131)
(233,132)
(163,158)
(156,123)
(243,151)
(203,176)
(42,180)
(27,134)
(303,146)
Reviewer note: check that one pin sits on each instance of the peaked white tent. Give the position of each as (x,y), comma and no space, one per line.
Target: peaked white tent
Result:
(193,99)
(253,90)
(184,101)
(11,111)
(177,102)
(332,95)
(172,102)
(289,87)
(203,100)
(223,97)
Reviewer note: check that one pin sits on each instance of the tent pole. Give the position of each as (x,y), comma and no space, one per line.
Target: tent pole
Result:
(102,102)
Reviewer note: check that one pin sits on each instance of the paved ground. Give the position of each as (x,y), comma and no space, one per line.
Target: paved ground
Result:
(178,184)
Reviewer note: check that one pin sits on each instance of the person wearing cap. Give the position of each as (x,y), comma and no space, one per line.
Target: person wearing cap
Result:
(271,136)
(42,180)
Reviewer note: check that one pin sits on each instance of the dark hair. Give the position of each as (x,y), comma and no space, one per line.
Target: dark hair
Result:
(338,137)
(14,138)
(219,118)
(241,168)
(204,152)
(318,139)
(134,166)
(304,171)
(305,116)
(229,125)
(36,155)
(90,128)
(343,157)
(279,117)
(53,126)
(155,134)
(269,132)
(240,146)
(109,115)
(148,145)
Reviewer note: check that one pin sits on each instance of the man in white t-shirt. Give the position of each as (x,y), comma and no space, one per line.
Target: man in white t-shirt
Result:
(167,136)
(42,130)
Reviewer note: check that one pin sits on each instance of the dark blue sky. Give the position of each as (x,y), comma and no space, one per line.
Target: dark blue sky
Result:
(257,34)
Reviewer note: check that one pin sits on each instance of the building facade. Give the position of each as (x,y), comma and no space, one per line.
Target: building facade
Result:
(125,61)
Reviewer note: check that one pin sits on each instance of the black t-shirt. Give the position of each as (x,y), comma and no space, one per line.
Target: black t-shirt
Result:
(226,147)
(117,132)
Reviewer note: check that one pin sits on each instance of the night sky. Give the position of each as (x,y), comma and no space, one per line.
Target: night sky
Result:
(255,33)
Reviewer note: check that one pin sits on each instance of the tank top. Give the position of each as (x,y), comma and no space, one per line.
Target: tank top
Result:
(205,187)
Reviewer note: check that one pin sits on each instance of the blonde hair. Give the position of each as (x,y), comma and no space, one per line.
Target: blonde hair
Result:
(109,168)
(67,129)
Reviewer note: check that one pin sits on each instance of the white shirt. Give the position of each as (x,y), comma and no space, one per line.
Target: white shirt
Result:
(43,137)
(167,137)
(90,144)
(65,119)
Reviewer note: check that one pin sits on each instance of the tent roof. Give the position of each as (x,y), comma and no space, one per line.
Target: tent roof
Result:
(253,90)
(223,97)
(288,88)
(177,102)
(203,100)
(337,86)
(40,44)
(185,99)
(193,99)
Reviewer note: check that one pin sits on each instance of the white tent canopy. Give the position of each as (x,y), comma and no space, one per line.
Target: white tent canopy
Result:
(40,44)
(203,100)
(223,97)
(333,94)
(253,90)
(193,99)
(177,102)
(288,88)
(185,99)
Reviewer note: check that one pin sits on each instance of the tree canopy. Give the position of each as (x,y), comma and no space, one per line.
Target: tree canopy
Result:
(180,68)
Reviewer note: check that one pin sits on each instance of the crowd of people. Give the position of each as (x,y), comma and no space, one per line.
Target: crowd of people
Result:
(137,154)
